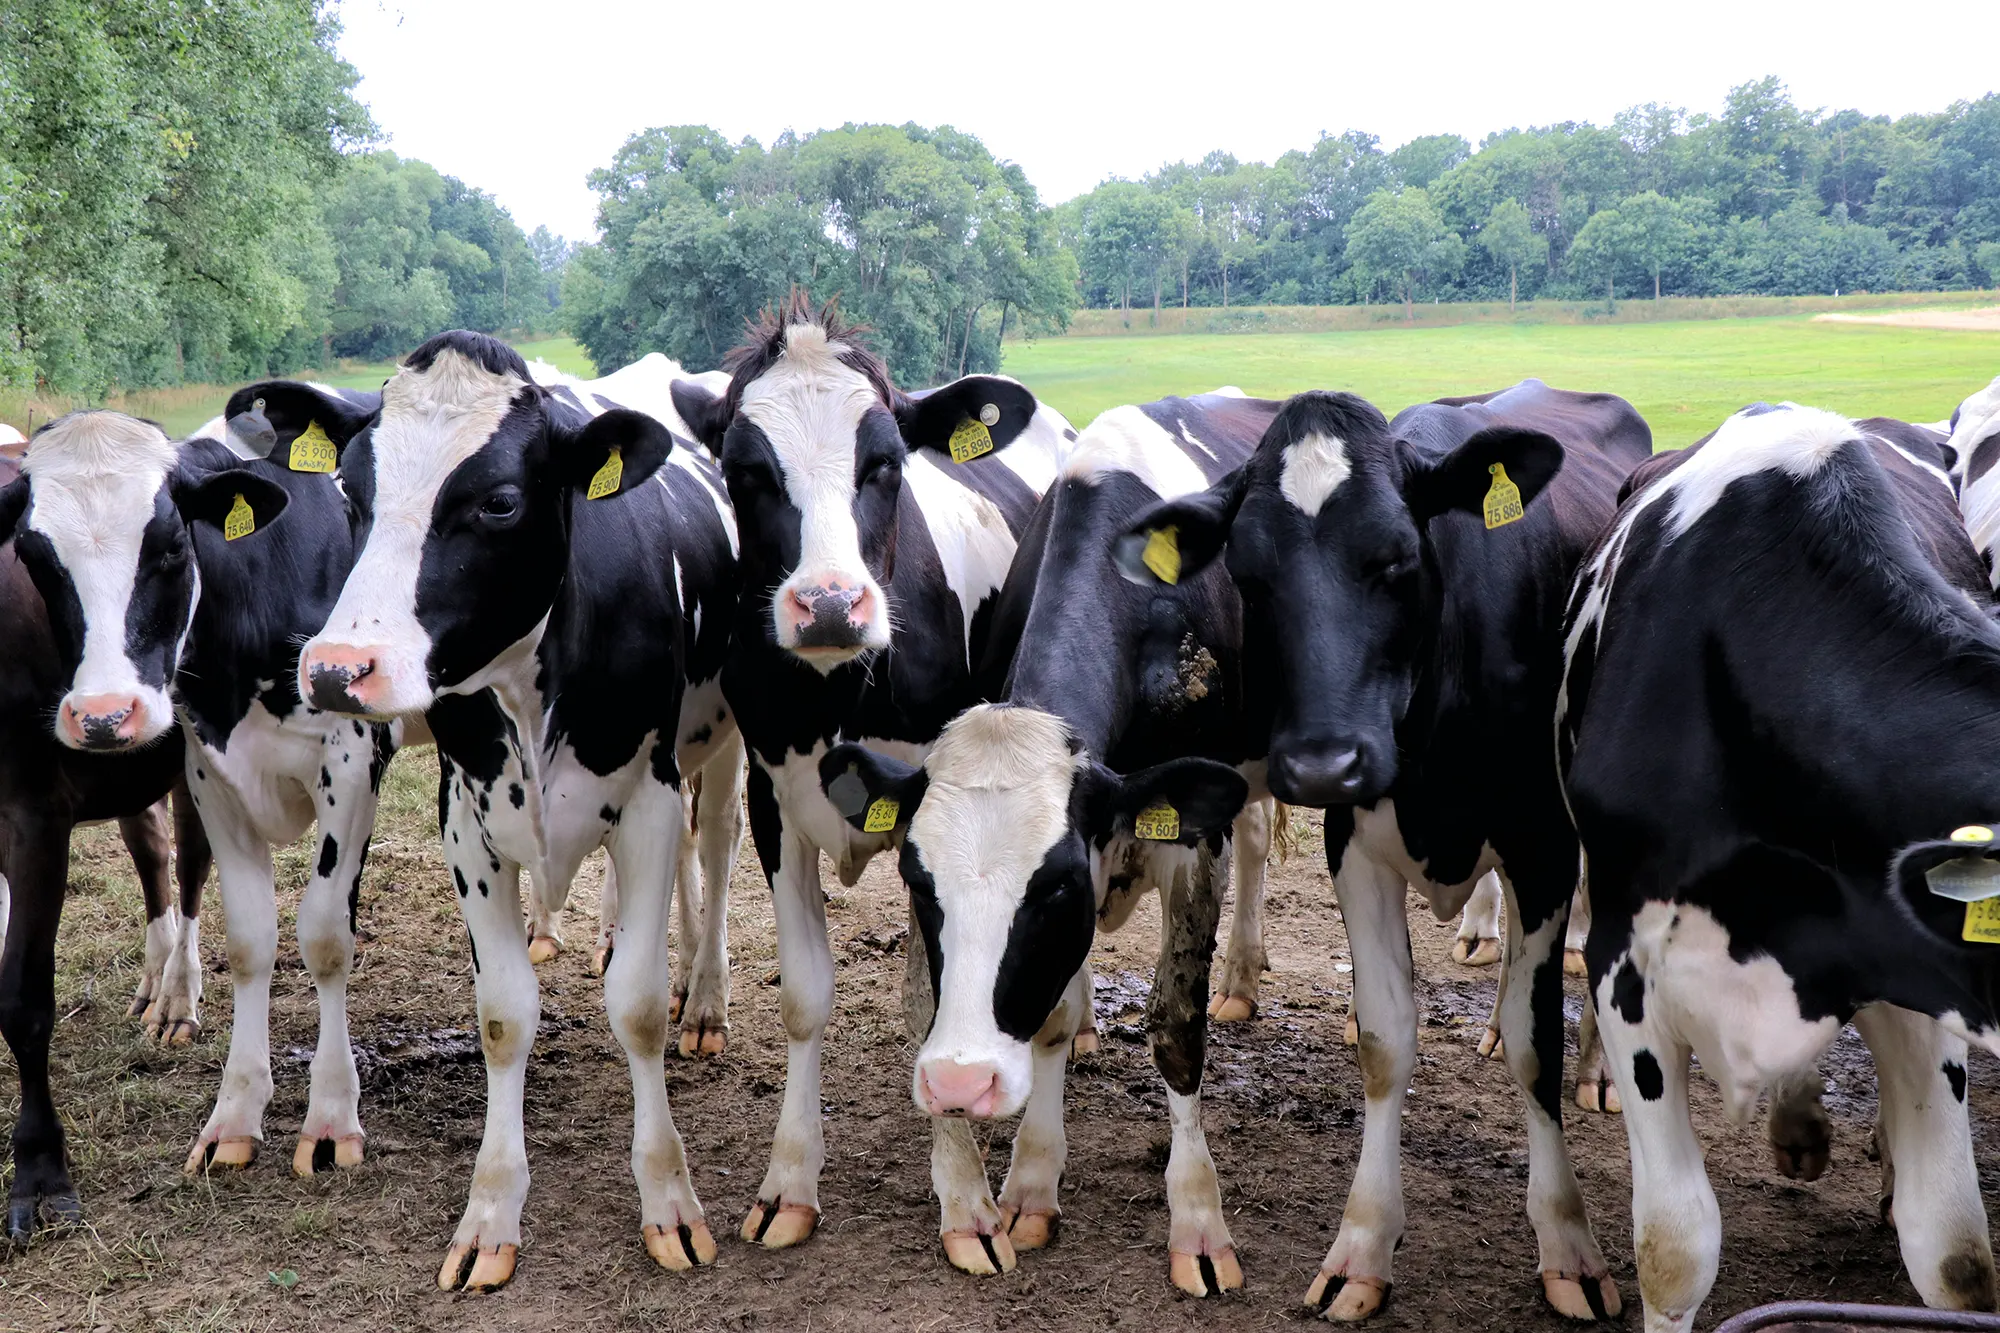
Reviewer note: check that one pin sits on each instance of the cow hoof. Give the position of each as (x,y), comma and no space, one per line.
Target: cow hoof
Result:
(676,1001)
(1476,953)
(1580,1296)
(1573,963)
(172,1031)
(141,1002)
(1084,1043)
(600,960)
(1232,1009)
(1345,1299)
(1205,1274)
(688,1245)
(1491,1047)
(1599,1096)
(1351,1035)
(227,1154)
(314,1155)
(472,1267)
(779,1226)
(1802,1161)
(544,949)
(703,1040)
(979,1254)
(26,1216)
(1031,1228)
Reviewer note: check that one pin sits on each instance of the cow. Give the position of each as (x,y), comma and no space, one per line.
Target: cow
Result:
(1403,585)
(97,597)
(1020,840)
(1781,673)
(1974,446)
(547,580)
(876,536)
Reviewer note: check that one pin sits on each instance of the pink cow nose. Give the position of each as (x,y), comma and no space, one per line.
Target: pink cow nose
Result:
(951,1088)
(831,613)
(102,721)
(342,677)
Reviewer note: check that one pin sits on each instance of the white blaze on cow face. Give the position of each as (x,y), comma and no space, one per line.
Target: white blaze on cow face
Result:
(1314,467)
(431,422)
(98,482)
(810,405)
(998,801)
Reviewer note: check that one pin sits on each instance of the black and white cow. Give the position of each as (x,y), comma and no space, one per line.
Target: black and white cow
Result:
(1780,710)
(97,600)
(548,580)
(872,563)
(1974,449)
(1021,841)
(1412,652)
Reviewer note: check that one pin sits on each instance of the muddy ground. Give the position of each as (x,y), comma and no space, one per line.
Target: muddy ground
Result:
(263,1250)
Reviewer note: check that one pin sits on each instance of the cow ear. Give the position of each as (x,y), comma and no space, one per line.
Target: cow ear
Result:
(265,419)
(228,500)
(1181,801)
(966,418)
(1177,539)
(1471,475)
(874,793)
(1944,886)
(13,503)
(614,453)
(706,414)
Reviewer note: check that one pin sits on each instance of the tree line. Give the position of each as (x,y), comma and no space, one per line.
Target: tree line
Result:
(1765,198)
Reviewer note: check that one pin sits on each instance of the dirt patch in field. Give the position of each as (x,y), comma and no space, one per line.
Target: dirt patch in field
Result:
(1984,319)
(1282,1100)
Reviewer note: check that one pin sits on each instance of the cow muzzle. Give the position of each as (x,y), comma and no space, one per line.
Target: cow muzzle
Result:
(342,678)
(106,722)
(1339,773)
(949,1087)
(831,618)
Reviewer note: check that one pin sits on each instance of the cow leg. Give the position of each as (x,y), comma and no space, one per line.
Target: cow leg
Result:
(147,842)
(1478,943)
(687,895)
(637,986)
(1921,1072)
(37,869)
(719,832)
(607,919)
(1799,1131)
(546,904)
(1676,1226)
(1244,968)
(1201,1254)
(179,1000)
(787,1207)
(1029,1204)
(1576,1280)
(235,1130)
(1595,1088)
(331,1134)
(1579,930)
(1354,1278)
(488,1238)
(1086,1042)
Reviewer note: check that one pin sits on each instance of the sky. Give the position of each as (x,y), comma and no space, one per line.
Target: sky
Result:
(523,100)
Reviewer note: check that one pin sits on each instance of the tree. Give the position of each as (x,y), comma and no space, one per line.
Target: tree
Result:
(1423,160)
(1598,248)
(1510,237)
(1655,232)
(1398,237)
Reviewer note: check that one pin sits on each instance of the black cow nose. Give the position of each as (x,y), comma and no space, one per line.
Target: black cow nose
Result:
(1323,778)
(330,685)
(832,608)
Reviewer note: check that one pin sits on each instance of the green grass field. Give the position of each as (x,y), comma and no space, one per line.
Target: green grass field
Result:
(1683,377)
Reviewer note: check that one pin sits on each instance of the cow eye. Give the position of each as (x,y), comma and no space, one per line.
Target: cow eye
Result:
(883,470)
(501,507)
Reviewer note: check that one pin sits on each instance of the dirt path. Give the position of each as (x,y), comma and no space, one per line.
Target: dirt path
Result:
(266,1251)
(1985,319)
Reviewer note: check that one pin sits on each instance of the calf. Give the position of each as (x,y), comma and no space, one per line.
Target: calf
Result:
(548,580)
(97,597)
(1103,673)
(872,561)
(1411,653)
(1781,688)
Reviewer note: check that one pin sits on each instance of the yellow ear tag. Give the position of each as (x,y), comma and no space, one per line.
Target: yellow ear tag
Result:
(1503,501)
(1972,833)
(239,522)
(313,451)
(1982,922)
(970,440)
(882,814)
(607,478)
(1158,822)
(1163,553)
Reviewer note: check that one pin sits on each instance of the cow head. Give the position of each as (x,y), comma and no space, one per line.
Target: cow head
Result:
(1326,529)
(460,485)
(100,515)
(812,439)
(1001,825)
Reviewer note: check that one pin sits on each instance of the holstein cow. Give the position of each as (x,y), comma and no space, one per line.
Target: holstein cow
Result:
(1412,652)
(97,598)
(871,565)
(1974,448)
(1020,843)
(549,581)
(1780,711)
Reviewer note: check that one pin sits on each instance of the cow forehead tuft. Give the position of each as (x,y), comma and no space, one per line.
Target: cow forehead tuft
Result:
(1002,747)
(87,446)
(1976,418)
(1312,469)
(451,381)
(432,420)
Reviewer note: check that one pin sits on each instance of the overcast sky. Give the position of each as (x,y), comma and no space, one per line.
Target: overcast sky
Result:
(524,99)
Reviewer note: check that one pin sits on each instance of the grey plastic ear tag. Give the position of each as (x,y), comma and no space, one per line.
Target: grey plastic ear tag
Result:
(1968,879)
(849,795)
